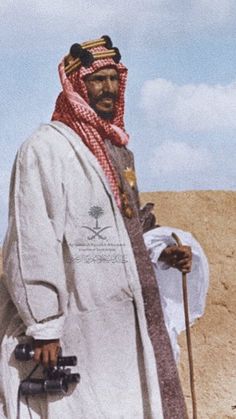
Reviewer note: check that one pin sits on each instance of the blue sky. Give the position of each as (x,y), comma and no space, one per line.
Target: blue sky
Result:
(181,94)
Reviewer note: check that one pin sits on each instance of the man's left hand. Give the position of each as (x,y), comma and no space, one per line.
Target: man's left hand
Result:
(46,351)
(179,257)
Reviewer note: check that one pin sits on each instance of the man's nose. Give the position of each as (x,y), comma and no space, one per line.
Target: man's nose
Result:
(108,85)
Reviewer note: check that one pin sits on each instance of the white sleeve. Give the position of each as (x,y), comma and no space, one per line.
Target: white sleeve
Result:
(32,251)
(170,280)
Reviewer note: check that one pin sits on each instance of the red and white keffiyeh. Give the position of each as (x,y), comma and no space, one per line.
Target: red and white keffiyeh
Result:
(72,108)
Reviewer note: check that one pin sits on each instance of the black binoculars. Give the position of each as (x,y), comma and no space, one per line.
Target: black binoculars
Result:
(56,379)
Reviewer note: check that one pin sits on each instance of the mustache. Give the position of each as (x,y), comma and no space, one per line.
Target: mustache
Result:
(106,95)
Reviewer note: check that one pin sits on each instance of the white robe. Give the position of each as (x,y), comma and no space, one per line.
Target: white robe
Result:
(170,280)
(72,279)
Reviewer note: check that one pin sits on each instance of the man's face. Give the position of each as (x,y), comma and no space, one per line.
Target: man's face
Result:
(102,87)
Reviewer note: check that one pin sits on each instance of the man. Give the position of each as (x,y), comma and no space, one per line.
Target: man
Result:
(76,271)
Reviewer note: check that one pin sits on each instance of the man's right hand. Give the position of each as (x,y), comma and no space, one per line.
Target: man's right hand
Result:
(179,257)
(46,351)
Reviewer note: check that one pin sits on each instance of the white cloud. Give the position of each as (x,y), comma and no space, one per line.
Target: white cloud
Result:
(190,107)
(178,165)
(179,158)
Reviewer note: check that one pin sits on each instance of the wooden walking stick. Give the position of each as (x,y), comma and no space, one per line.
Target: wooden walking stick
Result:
(188,334)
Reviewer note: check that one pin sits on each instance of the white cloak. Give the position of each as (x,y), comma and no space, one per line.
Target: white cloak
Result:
(73,276)
(95,320)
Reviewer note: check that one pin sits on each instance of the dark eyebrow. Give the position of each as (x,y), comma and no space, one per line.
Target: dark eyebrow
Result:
(101,77)
(97,77)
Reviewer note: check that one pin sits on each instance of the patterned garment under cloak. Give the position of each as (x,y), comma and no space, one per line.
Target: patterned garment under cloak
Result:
(172,397)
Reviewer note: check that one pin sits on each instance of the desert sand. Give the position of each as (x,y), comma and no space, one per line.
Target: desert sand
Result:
(210,216)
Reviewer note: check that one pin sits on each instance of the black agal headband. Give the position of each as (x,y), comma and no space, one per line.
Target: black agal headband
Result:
(80,54)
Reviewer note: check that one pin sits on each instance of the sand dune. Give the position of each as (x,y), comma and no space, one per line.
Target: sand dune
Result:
(210,216)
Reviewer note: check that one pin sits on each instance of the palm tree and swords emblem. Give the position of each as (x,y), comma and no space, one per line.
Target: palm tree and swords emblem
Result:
(96,212)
